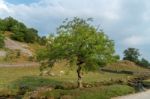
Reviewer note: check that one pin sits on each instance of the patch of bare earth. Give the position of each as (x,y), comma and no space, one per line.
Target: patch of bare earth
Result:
(14,45)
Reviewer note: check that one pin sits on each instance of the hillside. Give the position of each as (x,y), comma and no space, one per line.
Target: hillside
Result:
(14,45)
(18,42)
(124,66)
(17,52)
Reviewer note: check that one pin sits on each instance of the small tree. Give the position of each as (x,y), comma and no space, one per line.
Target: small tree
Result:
(80,42)
(131,54)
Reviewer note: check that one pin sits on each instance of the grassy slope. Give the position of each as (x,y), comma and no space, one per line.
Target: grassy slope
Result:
(24,48)
(11,78)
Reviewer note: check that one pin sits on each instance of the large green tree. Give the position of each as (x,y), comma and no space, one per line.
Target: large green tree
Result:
(79,42)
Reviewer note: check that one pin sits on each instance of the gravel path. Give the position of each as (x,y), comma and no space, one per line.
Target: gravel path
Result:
(142,95)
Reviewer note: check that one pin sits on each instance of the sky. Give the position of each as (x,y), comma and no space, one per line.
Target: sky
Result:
(127,22)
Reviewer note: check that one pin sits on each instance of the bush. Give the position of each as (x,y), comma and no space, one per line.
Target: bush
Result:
(1,41)
(33,82)
(18,36)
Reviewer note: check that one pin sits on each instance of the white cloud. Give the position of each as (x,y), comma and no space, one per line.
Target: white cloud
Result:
(136,40)
(2,5)
(67,8)
(3,8)
(45,15)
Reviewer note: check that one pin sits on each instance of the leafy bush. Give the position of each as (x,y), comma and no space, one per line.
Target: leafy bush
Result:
(18,36)
(1,41)
(32,82)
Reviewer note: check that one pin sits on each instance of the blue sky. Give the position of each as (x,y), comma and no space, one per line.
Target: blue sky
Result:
(21,1)
(124,21)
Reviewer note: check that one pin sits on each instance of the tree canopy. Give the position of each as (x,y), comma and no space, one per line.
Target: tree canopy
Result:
(79,41)
(131,54)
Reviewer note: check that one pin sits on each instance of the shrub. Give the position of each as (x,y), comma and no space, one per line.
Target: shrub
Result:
(2,41)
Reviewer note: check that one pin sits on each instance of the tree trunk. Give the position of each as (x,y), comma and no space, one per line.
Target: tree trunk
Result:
(80,85)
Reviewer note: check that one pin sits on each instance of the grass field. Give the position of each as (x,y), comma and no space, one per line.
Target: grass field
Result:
(10,74)
(13,77)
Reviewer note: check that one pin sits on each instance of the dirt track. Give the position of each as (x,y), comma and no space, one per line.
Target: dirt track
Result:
(19,64)
(142,95)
